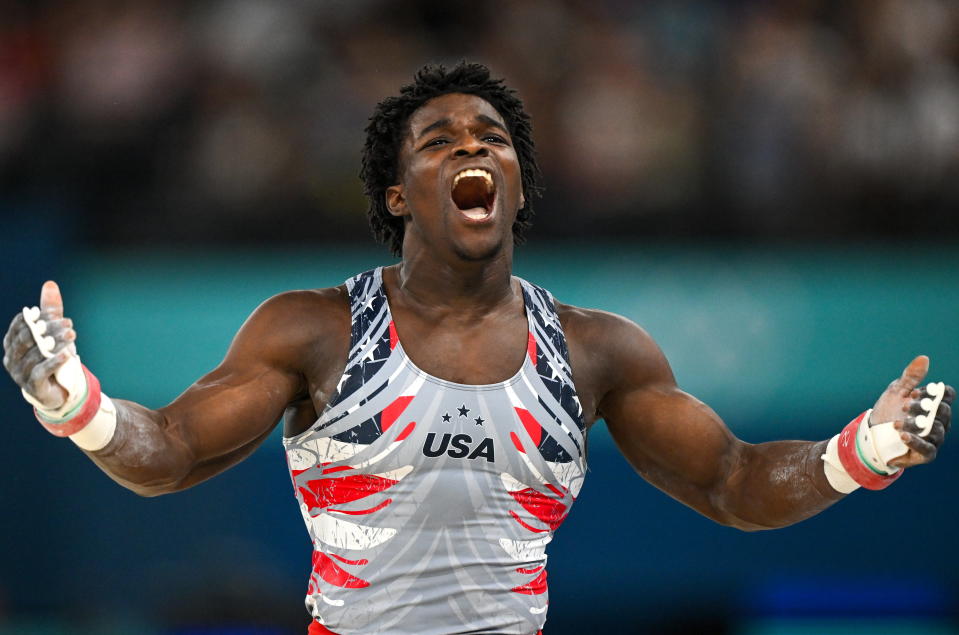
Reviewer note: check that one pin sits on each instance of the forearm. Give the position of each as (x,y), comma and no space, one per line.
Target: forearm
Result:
(221,419)
(147,453)
(771,485)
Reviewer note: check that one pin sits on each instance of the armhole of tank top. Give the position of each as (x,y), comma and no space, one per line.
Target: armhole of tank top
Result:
(527,289)
(350,286)
(549,304)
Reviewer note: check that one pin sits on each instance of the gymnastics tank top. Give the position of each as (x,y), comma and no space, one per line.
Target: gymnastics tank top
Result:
(430,503)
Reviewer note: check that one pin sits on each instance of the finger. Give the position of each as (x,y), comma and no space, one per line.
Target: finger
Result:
(944,416)
(944,413)
(949,395)
(914,373)
(937,434)
(13,363)
(45,369)
(913,407)
(921,451)
(16,324)
(40,384)
(59,330)
(21,369)
(20,344)
(907,425)
(51,300)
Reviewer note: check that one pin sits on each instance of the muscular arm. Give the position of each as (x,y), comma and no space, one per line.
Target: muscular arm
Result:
(224,416)
(220,419)
(681,446)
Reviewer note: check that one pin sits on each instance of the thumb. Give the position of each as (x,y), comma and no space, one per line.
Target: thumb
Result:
(50,299)
(914,373)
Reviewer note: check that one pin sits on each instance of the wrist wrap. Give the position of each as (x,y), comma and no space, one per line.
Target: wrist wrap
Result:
(859,457)
(87,417)
(78,418)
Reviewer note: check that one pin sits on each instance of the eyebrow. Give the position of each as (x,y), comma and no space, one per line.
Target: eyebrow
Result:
(489,121)
(442,123)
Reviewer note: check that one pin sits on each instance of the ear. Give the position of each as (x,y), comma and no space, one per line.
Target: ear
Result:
(396,200)
(522,200)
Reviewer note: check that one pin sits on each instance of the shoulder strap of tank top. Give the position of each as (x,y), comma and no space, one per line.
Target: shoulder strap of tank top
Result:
(552,354)
(546,325)
(369,332)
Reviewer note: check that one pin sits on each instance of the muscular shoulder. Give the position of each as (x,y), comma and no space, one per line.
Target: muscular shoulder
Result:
(309,308)
(609,352)
(294,328)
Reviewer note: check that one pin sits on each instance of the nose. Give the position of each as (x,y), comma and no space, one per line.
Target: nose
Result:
(471,147)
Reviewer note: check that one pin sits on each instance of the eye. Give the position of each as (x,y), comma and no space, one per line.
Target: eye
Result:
(494,138)
(435,142)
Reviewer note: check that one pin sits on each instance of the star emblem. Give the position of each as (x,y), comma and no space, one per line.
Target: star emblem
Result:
(463,410)
(549,320)
(446,417)
(554,371)
(479,421)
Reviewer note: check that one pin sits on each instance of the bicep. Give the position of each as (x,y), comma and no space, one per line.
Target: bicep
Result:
(235,406)
(681,446)
(229,408)
(676,442)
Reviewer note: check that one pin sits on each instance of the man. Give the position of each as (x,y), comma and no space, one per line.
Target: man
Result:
(436,410)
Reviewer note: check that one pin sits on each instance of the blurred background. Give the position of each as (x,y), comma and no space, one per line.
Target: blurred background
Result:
(770,188)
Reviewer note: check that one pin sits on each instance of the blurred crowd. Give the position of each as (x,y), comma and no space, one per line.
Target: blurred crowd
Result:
(175,122)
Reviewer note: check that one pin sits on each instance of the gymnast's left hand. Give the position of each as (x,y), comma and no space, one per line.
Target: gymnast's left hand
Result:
(901,403)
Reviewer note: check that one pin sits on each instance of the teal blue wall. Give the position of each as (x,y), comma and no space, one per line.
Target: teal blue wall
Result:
(765,336)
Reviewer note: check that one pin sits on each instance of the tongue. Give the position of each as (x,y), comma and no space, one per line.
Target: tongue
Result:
(470,192)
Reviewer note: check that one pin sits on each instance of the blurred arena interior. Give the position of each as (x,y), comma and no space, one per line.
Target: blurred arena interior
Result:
(777,180)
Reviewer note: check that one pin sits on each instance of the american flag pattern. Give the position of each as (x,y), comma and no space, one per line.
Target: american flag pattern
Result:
(430,503)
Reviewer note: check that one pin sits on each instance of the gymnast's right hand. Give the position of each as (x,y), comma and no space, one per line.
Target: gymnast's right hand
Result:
(33,369)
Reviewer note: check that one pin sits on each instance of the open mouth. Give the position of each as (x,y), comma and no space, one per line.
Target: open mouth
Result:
(474,192)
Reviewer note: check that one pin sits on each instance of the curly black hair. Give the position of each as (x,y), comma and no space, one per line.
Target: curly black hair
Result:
(387,130)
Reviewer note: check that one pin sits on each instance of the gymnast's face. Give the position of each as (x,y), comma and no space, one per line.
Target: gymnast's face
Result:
(459,179)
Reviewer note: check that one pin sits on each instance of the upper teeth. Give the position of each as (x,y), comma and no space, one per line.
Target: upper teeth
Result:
(475,172)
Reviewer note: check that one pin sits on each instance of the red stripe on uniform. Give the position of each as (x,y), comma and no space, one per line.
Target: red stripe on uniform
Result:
(345,561)
(321,493)
(531,347)
(333,573)
(515,440)
(340,468)
(535,587)
(554,490)
(394,338)
(548,511)
(406,431)
(318,629)
(526,526)
(361,512)
(533,429)
(392,412)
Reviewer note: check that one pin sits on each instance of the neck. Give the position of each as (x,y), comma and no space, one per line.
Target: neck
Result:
(463,285)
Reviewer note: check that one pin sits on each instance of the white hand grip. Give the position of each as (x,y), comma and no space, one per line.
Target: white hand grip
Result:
(70,373)
(38,329)
(937,391)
